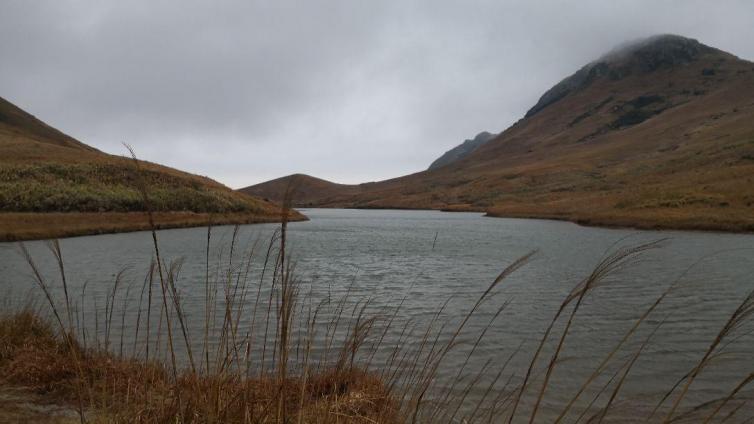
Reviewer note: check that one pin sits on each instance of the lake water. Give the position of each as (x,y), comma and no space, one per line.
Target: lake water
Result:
(429,257)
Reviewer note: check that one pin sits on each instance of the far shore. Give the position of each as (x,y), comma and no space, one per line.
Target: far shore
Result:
(20,226)
(684,223)
(681,220)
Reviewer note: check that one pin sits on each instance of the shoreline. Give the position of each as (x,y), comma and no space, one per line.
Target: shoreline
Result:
(28,226)
(685,223)
(692,225)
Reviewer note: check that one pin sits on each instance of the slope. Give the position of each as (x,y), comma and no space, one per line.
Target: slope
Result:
(306,190)
(462,150)
(52,185)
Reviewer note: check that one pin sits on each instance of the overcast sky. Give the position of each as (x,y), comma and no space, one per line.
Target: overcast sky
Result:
(350,90)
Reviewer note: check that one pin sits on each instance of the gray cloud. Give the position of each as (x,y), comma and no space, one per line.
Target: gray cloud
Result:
(351,91)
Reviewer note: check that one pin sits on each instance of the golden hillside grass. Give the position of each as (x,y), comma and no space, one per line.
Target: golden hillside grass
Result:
(45,174)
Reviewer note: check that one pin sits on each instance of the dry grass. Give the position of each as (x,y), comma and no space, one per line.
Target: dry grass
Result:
(690,218)
(52,185)
(227,384)
(254,362)
(35,357)
(36,226)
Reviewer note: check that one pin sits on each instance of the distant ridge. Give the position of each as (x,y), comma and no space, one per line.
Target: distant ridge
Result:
(656,133)
(307,190)
(462,150)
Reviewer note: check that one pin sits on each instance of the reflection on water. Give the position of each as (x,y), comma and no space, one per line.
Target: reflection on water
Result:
(421,259)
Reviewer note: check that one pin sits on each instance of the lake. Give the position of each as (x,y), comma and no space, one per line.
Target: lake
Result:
(422,259)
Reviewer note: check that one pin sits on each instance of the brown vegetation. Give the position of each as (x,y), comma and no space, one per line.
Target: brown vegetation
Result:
(309,191)
(228,378)
(118,389)
(223,385)
(35,226)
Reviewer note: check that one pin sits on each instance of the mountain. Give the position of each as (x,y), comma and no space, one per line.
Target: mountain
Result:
(306,190)
(53,185)
(462,150)
(658,133)
(24,127)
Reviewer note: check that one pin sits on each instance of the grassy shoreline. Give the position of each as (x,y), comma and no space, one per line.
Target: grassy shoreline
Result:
(25,226)
(638,222)
(19,226)
(56,375)
(683,222)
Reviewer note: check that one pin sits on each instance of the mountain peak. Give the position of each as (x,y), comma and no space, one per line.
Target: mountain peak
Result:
(634,57)
(462,150)
(655,52)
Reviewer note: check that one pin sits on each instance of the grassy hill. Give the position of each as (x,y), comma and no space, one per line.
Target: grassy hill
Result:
(657,134)
(307,190)
(54,185)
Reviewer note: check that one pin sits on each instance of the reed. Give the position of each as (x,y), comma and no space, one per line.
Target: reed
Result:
(329,361)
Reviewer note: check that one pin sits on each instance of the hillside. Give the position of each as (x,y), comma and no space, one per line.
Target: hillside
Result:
(656,134)
(462,150)
(307,190)
(52,185)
